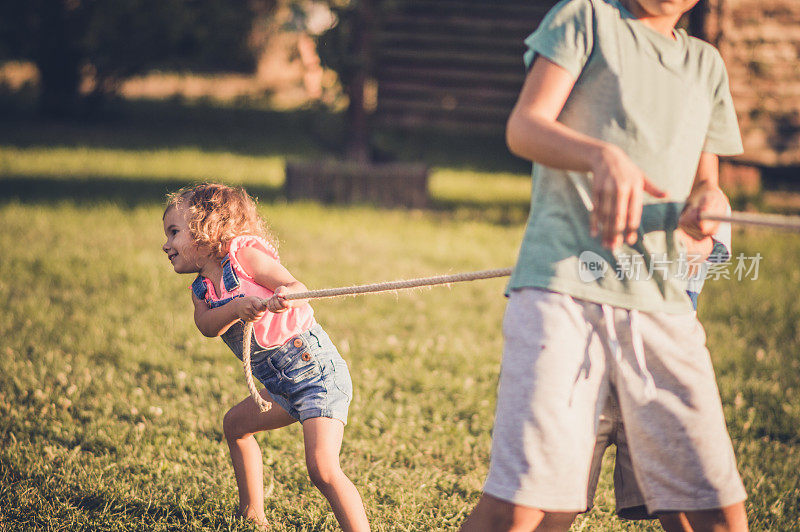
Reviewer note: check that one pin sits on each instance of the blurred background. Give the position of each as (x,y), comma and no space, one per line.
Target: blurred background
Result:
(370,80)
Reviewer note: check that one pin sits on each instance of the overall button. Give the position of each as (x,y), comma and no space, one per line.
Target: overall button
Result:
(306,356)
(298,342)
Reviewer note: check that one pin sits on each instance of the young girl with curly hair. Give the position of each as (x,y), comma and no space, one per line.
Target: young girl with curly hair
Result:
(215,231)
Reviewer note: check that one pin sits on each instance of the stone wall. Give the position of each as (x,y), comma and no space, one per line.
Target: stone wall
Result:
(760,42)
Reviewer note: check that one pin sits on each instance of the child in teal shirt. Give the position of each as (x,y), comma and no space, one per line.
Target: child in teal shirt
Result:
(619,110)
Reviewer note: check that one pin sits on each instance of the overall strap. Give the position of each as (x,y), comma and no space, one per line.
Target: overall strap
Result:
(199,287)
(215,304)
(229,278)
(230,282)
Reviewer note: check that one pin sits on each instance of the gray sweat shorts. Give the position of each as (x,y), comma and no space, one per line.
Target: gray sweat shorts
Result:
(561,360)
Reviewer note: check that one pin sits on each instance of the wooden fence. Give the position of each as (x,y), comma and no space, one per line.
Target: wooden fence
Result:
(451,63)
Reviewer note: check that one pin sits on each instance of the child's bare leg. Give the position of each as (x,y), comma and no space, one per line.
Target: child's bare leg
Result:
(498,515)
(239,425)
(731,518)
(323,441)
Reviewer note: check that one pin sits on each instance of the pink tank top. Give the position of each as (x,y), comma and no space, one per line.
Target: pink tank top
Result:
(272,329)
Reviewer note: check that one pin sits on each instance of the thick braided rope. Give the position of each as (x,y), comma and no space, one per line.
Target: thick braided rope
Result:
(248,372)
(399,285)
(776,221)
(350,291)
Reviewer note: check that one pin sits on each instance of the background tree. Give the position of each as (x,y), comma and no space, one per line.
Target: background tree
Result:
(110,41)
(347,49)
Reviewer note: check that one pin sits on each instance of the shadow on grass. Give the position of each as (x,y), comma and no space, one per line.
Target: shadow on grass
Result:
(120,191)
(133,192)
(169,124)
(159,125)
(31,502)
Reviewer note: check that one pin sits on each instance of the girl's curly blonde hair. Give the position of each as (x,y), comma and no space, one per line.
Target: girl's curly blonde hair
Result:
(217,214)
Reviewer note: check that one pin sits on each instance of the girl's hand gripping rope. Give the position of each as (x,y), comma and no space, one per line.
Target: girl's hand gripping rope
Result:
(279,303)
(250,308)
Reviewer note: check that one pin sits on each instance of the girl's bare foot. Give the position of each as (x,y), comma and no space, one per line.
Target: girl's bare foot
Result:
(260,521)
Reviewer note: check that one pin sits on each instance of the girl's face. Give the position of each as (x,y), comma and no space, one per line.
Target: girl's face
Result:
(180,248)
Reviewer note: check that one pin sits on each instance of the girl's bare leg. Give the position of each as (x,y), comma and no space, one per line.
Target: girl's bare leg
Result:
(323,441)
(239,425)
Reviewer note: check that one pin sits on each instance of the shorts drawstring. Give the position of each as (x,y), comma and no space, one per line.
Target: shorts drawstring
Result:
(611,333)
(636,341)
(638,352)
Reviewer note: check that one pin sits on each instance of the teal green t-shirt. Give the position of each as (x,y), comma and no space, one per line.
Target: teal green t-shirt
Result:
(663,101)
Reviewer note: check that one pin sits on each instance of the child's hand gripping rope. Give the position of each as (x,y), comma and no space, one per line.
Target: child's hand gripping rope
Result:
(251,308)
(281,300)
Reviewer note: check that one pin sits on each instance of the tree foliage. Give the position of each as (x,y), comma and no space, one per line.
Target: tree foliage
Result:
(338,47)
(115,39)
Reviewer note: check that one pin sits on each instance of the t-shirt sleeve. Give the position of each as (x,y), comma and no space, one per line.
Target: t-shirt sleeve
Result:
(248,241)
(565,36)
(723,137)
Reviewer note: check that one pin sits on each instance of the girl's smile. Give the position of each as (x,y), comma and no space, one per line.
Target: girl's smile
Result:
(180,248)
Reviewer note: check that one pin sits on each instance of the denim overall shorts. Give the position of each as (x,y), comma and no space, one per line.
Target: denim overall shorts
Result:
(306,376)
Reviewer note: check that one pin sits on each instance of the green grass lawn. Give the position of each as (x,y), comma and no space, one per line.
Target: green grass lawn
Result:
(111,401)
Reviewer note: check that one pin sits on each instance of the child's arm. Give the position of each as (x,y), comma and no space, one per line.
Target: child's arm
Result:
(271,274)
(706,197)
(534,133)
(213,322)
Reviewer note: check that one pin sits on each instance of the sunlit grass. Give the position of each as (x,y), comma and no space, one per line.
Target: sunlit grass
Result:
(190,164)
(458,185)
